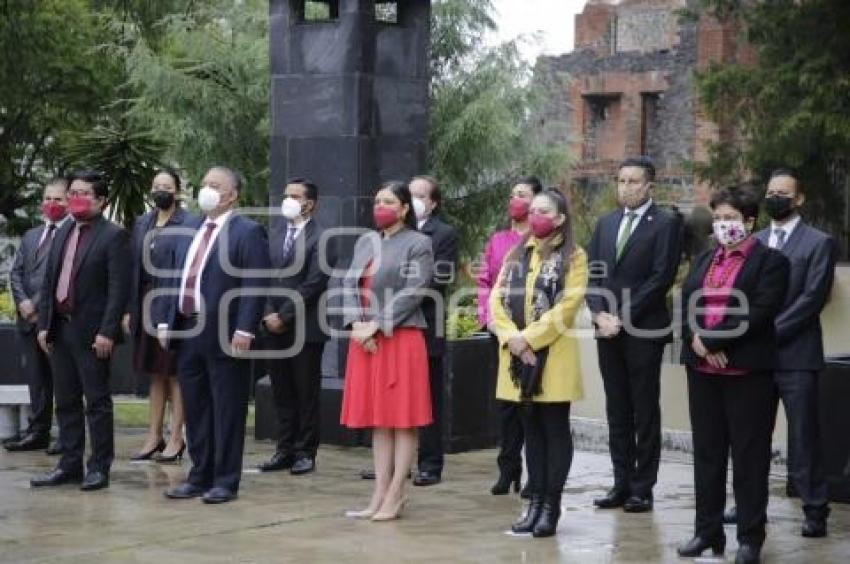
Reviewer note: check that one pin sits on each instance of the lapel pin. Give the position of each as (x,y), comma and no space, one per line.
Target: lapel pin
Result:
(649,218)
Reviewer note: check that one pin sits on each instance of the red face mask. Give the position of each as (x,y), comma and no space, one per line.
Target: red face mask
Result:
(384,217)
(53,211)
(518,209)
(80,207)
(542,226)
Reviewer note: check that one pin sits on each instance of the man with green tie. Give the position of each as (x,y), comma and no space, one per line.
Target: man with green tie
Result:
(634,255)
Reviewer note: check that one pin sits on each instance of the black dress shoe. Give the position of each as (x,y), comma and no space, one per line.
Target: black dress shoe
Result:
(13,439)
(814,528)
(95,480)
(185,491)
(427,479)
(525,524)
(547,524)
(748,554)
(303,465)
(697,545)
(54,450)
(278,461)
(505,481)
(730,516)
(218,495)
(637,504)
(614,498)
(56,477)
(28,442)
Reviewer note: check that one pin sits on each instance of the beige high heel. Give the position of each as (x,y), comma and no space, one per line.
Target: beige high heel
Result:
(363,514)
(396,514)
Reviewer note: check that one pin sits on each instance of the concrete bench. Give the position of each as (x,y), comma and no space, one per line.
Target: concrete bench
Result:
(14,409)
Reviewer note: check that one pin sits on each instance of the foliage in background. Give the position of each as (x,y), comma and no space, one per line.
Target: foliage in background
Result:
(7,307)
(793,106)
(482,134)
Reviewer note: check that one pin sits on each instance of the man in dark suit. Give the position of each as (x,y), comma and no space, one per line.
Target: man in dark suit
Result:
(444,239)
(798,330)
(634,255)
(26,280)
(296,379)
(84,295)
(215,307)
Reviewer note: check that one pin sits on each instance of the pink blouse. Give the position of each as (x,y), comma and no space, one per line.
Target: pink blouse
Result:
(498,246)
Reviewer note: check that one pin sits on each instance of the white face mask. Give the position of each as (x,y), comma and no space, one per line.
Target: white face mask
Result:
(290,208)
(419,209)
(730,232)
(208,199)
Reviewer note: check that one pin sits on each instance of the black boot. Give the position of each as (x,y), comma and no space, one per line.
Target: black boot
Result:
(529,519)
(548,522)
(505,481)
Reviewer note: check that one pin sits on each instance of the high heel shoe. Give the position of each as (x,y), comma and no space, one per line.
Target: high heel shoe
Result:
(504,483)
(142,456)
(178,456)
(395,514)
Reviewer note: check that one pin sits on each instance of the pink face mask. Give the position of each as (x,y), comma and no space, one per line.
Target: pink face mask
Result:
(542,226)
(518,209)
(53,211)
(80,207)
(384,217)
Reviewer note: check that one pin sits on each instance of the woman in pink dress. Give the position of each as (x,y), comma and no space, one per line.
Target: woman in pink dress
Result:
(386,375)
(498,246)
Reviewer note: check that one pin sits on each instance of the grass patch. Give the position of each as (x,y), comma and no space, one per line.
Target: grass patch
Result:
(133,413)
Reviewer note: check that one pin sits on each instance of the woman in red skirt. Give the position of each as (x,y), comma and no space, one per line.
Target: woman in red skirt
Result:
(386,376)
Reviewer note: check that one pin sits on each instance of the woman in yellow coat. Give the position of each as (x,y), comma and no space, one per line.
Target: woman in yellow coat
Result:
(534,304)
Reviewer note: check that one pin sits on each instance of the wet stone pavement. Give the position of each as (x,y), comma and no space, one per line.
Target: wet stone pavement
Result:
(283,518)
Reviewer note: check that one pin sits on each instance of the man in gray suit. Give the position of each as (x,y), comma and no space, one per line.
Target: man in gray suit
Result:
(26,280)
(798,331)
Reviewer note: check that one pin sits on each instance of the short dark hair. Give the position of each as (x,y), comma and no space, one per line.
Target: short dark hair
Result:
(790,173)
(401,190)
(98,181)
(641,162)
(58,181)
(309,187)
(532,181)
(234,175)
(172,173)
(745,199)
(436,192)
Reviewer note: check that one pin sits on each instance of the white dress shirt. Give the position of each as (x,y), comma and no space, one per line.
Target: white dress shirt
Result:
(193,250)
(641,211)
(47,224)
(788,228)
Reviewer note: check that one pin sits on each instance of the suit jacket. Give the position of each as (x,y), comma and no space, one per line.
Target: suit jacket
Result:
(402,272)
(310,281)
(27,275)
(647,267)
(763,279)
(444,241)
(812,254)
(160,255)
(247,250)
(101,278)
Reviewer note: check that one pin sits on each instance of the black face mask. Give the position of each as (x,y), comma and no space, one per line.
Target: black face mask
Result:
(779,207)
(163,200)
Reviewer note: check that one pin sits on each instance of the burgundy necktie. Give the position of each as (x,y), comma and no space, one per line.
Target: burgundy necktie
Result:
(64,285)
(187,307)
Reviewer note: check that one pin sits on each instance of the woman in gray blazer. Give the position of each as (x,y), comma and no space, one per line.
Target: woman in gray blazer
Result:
(386,375)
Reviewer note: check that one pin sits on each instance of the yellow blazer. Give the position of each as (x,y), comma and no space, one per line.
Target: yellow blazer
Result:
(562,380)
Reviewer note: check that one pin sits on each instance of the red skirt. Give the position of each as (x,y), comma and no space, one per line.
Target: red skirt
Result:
(390,388)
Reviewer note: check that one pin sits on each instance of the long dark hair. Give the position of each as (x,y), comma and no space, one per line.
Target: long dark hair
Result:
(565,244)
(401,190)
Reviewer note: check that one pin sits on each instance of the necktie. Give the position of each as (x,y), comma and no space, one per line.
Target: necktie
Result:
(64,285)
(627,232)
(780,238)
(187,306)
(44,246)
(289,241)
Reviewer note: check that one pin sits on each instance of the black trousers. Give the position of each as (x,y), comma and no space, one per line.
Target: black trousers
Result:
(631,373)
(431,437)
(78,374)
(215,390)
(731,412)
(297,386)
(511,435)
(548,446)
(798,391)
(39,375)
